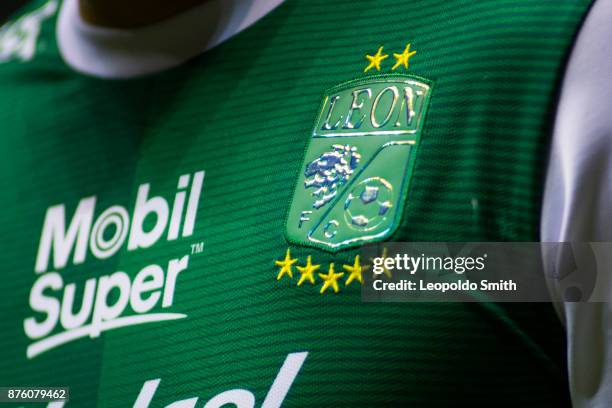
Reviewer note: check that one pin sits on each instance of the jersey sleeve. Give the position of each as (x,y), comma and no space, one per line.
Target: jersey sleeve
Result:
(577,204)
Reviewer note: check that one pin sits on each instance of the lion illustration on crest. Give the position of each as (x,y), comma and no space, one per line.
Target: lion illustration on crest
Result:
(330,171)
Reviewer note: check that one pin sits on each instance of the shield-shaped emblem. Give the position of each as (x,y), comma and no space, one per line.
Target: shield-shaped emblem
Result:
(355,177)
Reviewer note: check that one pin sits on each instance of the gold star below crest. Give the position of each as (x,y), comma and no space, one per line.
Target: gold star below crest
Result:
(402,59)
(375,60)
(285,265)
(330,279)
(355,272)
(307,271)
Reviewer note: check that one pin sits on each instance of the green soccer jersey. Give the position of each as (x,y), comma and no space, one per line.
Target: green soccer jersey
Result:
(192,235)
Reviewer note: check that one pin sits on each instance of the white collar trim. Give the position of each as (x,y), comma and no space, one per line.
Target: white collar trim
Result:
(127,53)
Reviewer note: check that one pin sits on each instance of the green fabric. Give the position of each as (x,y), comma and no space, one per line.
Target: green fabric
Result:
(244,112)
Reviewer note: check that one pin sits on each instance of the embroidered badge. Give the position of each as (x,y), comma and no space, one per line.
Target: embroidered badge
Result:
(355,177)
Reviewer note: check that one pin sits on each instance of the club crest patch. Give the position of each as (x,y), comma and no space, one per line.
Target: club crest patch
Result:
(357,168)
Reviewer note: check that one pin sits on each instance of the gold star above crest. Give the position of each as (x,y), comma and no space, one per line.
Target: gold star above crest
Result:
(331,279)
(285,265)
(307,271)
(402,59)
(355,272)
(375,60)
